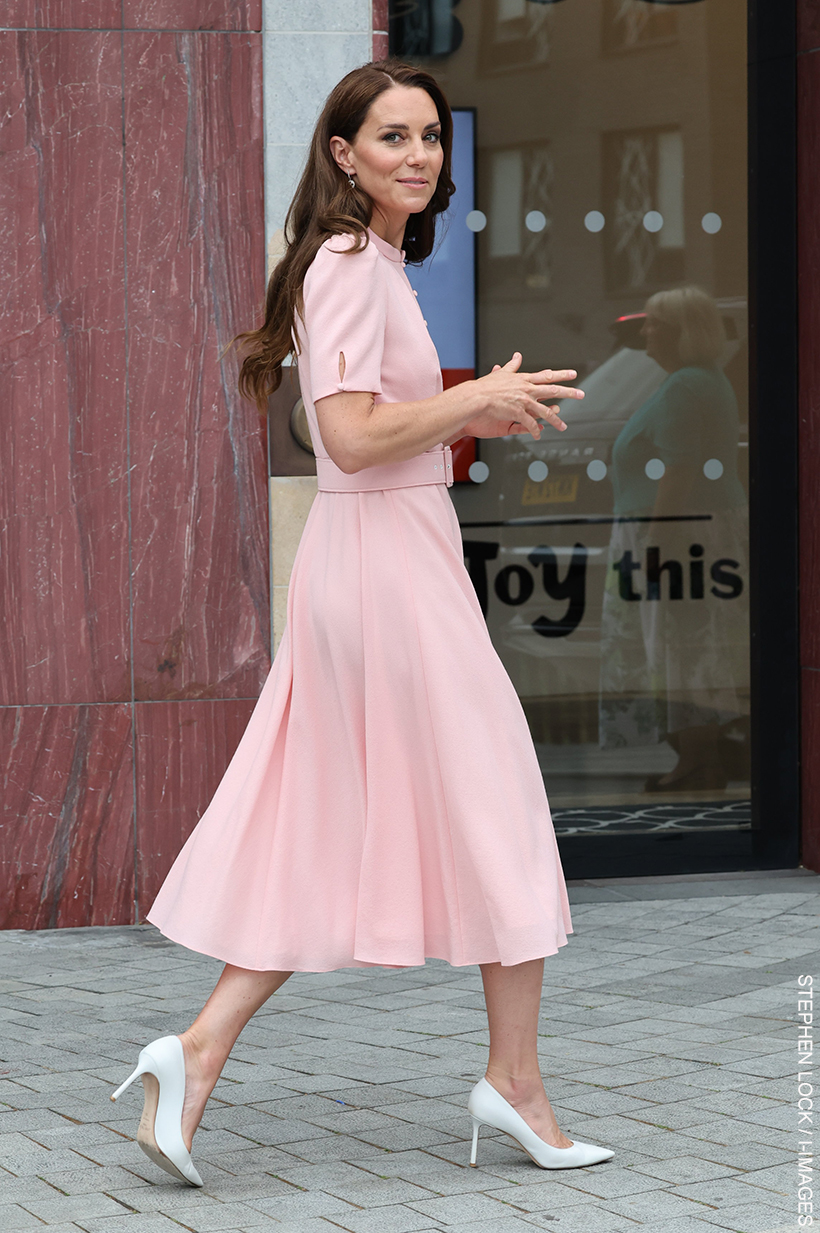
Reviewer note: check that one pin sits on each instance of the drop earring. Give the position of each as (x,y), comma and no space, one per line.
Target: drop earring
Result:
(350,180)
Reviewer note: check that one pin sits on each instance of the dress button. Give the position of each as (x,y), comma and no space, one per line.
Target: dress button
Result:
(425,323)
(415,292)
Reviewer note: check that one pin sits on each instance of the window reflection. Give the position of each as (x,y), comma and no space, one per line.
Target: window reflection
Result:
(674,624)
(611,560)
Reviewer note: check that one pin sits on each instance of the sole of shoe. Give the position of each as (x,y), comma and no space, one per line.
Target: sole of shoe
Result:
(146,1136)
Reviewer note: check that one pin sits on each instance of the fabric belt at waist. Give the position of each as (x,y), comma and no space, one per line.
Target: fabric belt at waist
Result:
(431,467)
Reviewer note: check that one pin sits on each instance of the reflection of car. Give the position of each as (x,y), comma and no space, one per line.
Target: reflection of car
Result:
(613,392)
(538,548)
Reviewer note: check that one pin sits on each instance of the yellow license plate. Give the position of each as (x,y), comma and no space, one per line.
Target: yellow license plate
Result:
(558,490)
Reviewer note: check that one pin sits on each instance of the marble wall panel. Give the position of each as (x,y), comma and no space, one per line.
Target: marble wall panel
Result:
(808,25)
(196,269)
(380,33)
(64,482)
(192,14)
(810,770)
(61,14)
(67,835)
(182,751)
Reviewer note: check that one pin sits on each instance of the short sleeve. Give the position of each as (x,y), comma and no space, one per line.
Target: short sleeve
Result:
(345,303)
(677,427)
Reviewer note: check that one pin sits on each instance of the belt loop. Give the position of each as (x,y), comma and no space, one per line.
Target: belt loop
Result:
(448,465)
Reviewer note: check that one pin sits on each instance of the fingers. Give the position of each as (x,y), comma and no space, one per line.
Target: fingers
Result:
(514,364)
(555,391)
(554,374)
(551,415)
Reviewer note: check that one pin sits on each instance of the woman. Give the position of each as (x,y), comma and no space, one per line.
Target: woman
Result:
(385,803)
(674,662)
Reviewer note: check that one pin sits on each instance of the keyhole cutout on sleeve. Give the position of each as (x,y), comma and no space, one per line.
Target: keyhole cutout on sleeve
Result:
(341,365)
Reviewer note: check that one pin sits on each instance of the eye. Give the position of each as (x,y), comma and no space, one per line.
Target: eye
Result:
(436,137)
(388,136)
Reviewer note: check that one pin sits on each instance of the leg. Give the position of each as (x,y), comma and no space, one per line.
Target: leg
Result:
(238,994)
(513,996)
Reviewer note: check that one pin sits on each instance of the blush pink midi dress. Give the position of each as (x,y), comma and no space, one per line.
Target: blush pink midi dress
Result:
(385,803)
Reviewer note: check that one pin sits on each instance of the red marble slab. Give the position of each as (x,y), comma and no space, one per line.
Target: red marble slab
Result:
(67,838)
(196,262)
(379,16)
(182,752)
(810,769)
(192,14)
(380,46)
(61,14)
(808,239)
(64,479)
(808,24)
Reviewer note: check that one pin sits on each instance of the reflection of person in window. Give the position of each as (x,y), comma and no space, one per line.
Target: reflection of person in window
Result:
(675,616)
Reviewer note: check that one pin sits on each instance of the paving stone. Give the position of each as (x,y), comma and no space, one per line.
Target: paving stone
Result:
(65,1208)
(457,1209)
(392,1219)
(154,1223)
(350,1088)
(752,1218)
(300,1205)
(499,1224)
(589,1218)
(682,1169)
(216,1217)
(13,1217)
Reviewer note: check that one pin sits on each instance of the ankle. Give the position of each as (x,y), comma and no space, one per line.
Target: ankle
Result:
(201,1056)
(515,1087)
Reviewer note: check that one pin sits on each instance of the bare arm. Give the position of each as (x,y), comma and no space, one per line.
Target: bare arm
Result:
(358,432)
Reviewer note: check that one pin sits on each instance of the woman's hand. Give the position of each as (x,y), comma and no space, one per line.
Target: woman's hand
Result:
(514,400)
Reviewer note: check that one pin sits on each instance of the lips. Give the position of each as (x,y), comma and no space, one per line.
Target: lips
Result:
(414,183)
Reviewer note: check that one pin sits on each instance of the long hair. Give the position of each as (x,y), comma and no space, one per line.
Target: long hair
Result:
(325,204)
(702,336)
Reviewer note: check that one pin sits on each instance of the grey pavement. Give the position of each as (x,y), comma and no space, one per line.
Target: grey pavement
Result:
(668,1032)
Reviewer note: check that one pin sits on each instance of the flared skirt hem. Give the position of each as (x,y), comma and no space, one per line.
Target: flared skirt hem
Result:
(291,964)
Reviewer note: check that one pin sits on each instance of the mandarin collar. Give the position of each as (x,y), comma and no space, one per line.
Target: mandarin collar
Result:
(392,254)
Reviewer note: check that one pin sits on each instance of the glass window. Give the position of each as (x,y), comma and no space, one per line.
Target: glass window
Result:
(608,216)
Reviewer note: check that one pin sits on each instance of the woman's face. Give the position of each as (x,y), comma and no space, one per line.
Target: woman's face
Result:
(661,341)
(396,155)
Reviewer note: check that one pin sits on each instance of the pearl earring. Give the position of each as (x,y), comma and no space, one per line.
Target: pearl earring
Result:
(350,180)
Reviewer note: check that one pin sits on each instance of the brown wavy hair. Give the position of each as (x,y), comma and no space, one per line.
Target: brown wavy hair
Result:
(324,204)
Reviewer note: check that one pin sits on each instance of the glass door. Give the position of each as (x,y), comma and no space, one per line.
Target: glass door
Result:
(609,220)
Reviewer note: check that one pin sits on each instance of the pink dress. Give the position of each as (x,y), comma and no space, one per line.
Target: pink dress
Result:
(385,803)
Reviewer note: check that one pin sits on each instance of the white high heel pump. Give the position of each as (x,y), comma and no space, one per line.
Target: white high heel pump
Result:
(489,1108)
(162,1067)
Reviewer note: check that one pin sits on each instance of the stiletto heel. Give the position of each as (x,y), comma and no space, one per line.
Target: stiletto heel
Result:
(488,1107)
(476,1125)
(162,1068)
(127,1083)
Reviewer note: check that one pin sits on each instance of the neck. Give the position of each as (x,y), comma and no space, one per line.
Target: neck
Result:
(389,227)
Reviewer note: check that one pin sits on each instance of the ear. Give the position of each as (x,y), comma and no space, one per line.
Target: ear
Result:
(340,149)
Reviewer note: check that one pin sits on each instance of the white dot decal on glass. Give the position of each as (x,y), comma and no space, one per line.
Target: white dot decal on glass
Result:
(596,470)
(713,468)
(711,223)
(536,220)
(655,469)
(478,472)
(652,220)
(476,221)
(538,471)
(594,221)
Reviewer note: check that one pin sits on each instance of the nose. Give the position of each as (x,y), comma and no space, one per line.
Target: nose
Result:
(417,156)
